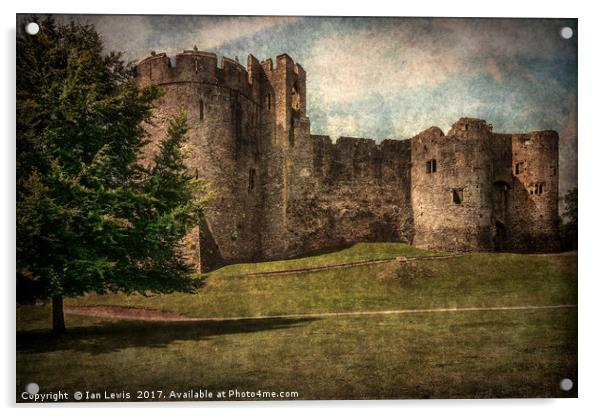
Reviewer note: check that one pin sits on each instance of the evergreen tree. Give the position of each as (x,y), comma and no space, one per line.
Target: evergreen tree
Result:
(90,217)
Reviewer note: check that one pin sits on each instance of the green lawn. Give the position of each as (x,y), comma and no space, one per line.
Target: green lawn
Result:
(444,355)
(471,354)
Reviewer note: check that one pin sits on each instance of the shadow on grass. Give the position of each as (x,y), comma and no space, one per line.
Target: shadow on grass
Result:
(114,336)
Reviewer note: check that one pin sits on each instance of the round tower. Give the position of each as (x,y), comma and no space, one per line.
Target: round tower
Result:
(224,112)
(451,187)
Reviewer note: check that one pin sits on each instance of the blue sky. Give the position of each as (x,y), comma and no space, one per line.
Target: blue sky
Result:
(394,77)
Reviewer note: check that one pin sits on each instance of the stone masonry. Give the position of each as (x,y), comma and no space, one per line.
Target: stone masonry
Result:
(282,192)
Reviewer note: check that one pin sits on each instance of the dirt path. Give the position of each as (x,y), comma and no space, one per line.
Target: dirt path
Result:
(564,253)
(140,314)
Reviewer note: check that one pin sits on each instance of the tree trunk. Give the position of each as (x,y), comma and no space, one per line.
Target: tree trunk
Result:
(58,319)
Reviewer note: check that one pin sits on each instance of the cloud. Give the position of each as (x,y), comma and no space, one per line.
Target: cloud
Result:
(217,33)
(493,69)
(407,54)
(345,66)
(138,35)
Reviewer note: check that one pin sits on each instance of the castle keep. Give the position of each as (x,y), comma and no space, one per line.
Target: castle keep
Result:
(282,192)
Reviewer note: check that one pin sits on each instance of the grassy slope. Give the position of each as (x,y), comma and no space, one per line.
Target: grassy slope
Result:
(357,252)
(472,280)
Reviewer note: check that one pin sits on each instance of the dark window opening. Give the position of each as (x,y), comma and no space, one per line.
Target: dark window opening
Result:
(295,98)
(554,171)
(268,99)
(251,179)
(537,189)
(517,168)
(431,166)
(458,196)
(201,110)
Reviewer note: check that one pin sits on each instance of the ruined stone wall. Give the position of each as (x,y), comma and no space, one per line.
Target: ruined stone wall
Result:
(452,201)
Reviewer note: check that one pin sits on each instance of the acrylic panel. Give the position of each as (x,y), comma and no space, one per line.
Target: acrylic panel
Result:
(237,208)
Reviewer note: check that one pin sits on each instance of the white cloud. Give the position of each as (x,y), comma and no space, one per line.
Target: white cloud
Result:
(346,64)
(215,33)
(138,35)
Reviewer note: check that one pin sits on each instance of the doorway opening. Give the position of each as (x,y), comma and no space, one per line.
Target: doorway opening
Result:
(500,236)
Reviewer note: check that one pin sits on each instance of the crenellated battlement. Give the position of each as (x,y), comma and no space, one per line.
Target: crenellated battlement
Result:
(346,142)
(194,66)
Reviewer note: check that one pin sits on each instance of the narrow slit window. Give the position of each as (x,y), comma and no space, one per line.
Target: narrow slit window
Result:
(457,196)
(268,99)
(428,166)
(516,168)
(251,179)
(540,188)
(201,110)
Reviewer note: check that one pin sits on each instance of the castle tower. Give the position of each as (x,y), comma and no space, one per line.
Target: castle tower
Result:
(224,136)
(533,203)
(289,155)
(451,187)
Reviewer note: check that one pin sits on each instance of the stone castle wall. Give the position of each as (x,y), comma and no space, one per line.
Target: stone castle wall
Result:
(282,192)
(364,192)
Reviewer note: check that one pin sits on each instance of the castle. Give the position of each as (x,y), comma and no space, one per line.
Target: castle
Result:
(282,192)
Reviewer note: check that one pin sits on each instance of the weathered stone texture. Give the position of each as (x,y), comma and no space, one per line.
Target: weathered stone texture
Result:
(281,192)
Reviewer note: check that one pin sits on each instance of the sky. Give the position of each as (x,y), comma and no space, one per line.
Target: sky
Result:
(393,77)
